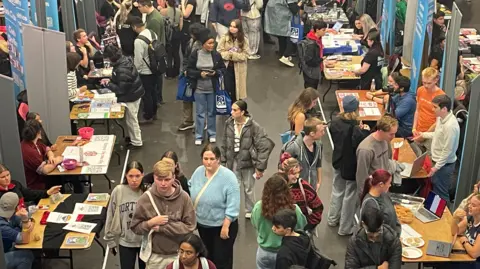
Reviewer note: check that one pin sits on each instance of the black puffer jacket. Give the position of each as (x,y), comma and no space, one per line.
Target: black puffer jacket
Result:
(193,73)
(255,146)
(359,254)
(125,81)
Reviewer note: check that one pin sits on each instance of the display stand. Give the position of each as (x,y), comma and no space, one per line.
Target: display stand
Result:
(409,30)
(46,66)
(450,55)
(86,16)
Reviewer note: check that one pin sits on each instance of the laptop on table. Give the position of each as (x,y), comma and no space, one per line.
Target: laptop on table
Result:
(433,209)
(411,169)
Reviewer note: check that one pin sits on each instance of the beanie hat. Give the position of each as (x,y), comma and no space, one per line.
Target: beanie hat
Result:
(350,103)
(204,36)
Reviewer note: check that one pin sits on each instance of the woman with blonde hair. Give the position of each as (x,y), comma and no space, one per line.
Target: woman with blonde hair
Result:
(296,112)
(347,132)
(123,27)
(367,25)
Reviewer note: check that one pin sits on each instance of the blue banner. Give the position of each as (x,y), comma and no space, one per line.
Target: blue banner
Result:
(51,10)
(423,27)
(16,14)
(388,22)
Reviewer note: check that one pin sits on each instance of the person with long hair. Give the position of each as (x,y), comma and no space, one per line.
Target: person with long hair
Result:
(171,156)
(245,150)
(467,226)
(123,201)
(303,194)
(367,24)
(122,23)
(188,9)
(192,253)
(73,62)
(375,194)
(233,47)
(36,116)
(372,63)
(347,132)
(216,199)
(275,196)
(174,15)
(297,111)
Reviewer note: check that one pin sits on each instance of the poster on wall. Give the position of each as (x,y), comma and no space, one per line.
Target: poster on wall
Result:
(51,10)
(423,28)
(16,14)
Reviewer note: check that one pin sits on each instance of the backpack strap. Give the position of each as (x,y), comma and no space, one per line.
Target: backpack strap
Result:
(204,263)
(303,193)
(176,264)
(365,201)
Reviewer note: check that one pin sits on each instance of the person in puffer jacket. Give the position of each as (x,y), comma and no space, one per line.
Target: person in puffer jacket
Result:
(245,150)
(311,55)
(374,244)
(128,88)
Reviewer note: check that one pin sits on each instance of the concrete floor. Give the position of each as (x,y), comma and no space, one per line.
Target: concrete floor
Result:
(271,89)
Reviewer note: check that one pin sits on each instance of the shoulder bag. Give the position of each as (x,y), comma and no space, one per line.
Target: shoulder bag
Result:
(146,247)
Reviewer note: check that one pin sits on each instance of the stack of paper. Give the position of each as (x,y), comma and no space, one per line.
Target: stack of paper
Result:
(408,231)
(371,111)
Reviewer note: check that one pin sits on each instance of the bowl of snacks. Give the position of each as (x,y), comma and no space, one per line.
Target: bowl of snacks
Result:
(86,132)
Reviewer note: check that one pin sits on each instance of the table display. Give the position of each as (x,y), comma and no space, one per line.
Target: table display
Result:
(368,110)
(329,15)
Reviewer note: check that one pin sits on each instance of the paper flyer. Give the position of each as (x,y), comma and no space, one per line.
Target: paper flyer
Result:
(86,209)
(61,218)
(80,227)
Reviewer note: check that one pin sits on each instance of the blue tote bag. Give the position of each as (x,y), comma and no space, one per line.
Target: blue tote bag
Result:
(296,29)
(184,90)
(222,100)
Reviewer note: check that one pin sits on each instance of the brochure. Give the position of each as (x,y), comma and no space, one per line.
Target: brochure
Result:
(77,240)
(80,227)
(98,197)
(56,217)
(86,209)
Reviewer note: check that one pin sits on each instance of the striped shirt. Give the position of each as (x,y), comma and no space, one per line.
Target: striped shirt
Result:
(72,85)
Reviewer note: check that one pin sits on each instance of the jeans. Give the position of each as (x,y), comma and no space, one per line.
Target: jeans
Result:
(342,203)
(150,97)
(266,259)
(173,57)
(19,259)
(205,108)
(252,28)
(230,83)
(404,132)
(442,180)
(128,256)
(131,119)
(220,251)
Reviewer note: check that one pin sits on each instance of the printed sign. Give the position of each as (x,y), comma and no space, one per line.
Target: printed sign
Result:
(51,10)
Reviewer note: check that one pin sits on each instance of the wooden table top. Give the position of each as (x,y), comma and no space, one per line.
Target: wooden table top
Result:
(40,229)
(362,98)
(62,143)
(343,65)
(439,231)
(85,108)
(407,155)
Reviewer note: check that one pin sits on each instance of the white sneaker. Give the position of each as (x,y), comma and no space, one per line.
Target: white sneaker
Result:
(198,142)
(248,215)
(286,61)
(212,140)
(254,57)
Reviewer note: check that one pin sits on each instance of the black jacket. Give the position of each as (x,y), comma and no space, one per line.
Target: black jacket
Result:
(294,251)
(27,194)
(125,82)
(194,74)
(346,136)
(311,61)
(359,254)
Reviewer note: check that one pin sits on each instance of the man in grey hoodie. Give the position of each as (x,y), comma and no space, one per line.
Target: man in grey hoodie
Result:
(177,217)
(307,149)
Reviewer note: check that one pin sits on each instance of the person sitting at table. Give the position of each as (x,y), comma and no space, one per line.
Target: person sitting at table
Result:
(45,140)
(312,52)
(128,88)
(436,55)
(403,103)
(463,206)
(372,63)
(73,63)
(357,29)
(15,229)
(69,47)
(25,195)
(297,111)
(374,244)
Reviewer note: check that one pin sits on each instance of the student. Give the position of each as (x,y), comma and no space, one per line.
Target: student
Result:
(358,29)
(467,225)
(252,24)
(233,46)
(445,141)
(188,9)
(347,133)
(245,149)
(35,116)
(436,55)
(375,152)
(275,197)
(192,253)
(374,244)
(123,27)
(222,13)
(84,48)
(174,15)
(367,25)
(438,27)
(108,9)
(308,149)
(372,63)
(297,111)
(177,219)
(312,52)
(295,243)
(73,63)
(120,211)
(15,228)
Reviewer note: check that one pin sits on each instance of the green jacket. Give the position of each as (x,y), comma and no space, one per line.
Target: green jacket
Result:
(266,239)
(156,23)
(401,10)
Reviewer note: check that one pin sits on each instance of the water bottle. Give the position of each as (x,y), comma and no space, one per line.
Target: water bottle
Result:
(102,46)
(92,66)
(335,7)
(372,86)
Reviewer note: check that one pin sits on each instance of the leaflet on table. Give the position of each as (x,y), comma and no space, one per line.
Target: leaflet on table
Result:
(94,169)
(80,227)
(56,217)
(371,111)
(367,104)
(100,106)
(98,197)
(116,107)
(86,209)
(77,240)
(98,115)
(75,153)
(408,231)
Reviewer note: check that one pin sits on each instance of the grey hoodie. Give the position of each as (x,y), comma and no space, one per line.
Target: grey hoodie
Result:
(126,199)
(298,150)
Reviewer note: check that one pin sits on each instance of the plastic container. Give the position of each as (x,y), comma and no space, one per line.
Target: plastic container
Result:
(86,132)
(70,164)
(411,202)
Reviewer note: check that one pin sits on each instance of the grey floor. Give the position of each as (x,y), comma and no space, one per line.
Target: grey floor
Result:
(271,89)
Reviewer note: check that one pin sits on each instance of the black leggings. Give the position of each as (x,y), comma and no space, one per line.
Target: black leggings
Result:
(220,251)
(285,46)
(173,56)
(309,82)
(229,82)
(128,256)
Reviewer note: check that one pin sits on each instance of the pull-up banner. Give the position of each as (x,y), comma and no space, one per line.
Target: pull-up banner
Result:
(387,29)
(51,10)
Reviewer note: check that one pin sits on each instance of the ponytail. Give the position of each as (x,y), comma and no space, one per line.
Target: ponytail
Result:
(377,177)
(366,188)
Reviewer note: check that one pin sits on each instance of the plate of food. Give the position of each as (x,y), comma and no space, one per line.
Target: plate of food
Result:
(411,253)
(415,242)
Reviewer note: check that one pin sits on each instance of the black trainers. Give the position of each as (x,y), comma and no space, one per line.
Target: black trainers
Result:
(186,126)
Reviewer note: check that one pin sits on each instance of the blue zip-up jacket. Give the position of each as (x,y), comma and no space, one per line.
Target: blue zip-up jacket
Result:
(405,109)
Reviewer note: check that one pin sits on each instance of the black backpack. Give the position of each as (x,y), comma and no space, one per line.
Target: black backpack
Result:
(156,54)
(301,47)
(246,5)
(170,29)
(316,260)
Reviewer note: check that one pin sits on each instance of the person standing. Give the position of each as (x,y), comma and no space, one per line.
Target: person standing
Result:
(188,9)
(252,24)
(109,8)
(222,13)
(245,150)
(445,139)
(438,27)
(347,133)
(372,63)
(174,15)
(156,23)
(216,196)
(233,46)
(166,212)
(297,111)
(127,86)
(149,80)
(375,151)
(123,25)
(312,52)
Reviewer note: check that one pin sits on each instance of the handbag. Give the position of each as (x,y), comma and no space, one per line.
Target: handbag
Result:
(296,29)
(184,89)
(146,246)
(223,102)
(286,136)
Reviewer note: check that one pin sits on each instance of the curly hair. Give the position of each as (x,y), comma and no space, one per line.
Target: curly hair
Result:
(276,195)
